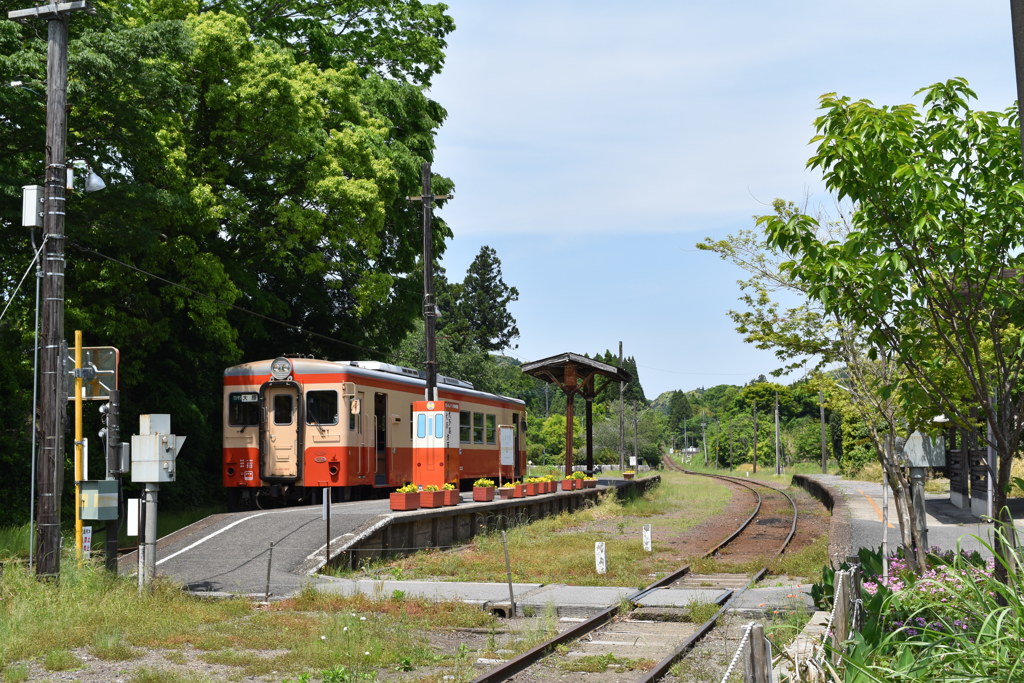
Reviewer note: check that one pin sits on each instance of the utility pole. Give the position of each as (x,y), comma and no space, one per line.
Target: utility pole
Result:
(778,444)
(824,450)
(704,441)
(730,444)
(1017,25)
(429,305)
(622,419)
(755,438)
(52,400)
(636,452)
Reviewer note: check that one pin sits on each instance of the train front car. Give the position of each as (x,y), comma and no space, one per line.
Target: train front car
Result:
(294,426)
(282,432)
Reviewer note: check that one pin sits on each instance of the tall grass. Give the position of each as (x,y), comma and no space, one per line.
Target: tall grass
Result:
(106,616)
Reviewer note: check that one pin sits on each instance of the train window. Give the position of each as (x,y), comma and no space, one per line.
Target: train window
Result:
(439,427)
(282,409)
(492,426)
(244,409)
(421,425)
(478,427)
(465,427)
(322,407)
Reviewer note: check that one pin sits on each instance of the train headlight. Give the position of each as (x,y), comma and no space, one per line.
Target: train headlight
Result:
(281,368)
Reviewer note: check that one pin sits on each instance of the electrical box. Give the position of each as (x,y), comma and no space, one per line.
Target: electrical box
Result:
(154,450)
(99,499)
(32,206)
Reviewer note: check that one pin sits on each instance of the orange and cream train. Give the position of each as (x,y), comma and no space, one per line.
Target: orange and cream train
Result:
(295,426)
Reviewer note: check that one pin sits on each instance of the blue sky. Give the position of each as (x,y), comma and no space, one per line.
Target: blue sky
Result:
(593,144)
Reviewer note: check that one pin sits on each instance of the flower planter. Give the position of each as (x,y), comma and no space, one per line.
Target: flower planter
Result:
(532,489)
(519,491)
(506,492)
(405,501)
(577,484)
(628,475)
(567,484)
(483,494)
(451,497)
(589,483)
(431,499)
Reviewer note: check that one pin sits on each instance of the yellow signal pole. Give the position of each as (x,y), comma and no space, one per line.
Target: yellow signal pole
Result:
(78,446)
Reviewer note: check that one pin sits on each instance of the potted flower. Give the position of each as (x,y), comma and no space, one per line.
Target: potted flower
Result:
(567,483)
(451,494)
(507,490)
(628,474)
(589,482)
(431,496)
(532,485)
(577,480)
(405,498)
(483,490)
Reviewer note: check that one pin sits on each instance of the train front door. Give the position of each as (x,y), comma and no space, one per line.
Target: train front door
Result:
(281,446)
(380,430)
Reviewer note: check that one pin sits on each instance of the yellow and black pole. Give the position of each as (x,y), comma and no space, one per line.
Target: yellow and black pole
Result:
(78,446)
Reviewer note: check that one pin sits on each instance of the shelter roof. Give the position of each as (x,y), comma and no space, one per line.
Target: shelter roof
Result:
(553,369)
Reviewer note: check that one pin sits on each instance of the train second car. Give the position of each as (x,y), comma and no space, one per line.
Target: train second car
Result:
(296,426)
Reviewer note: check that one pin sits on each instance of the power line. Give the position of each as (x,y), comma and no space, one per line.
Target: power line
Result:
(241,309)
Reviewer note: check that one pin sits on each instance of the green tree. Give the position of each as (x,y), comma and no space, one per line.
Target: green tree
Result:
(483,303)
(679,409)
(258,158)
(926,269)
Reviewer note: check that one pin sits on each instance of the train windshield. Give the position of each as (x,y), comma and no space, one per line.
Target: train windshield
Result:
(243,409)
(322,407)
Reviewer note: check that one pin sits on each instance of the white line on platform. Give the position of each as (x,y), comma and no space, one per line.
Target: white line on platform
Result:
(206,538)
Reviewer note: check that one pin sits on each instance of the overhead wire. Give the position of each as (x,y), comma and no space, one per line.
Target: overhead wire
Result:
(241,309)
(35,259)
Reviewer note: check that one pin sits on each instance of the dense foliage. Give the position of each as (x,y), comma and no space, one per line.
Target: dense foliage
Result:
(258,157)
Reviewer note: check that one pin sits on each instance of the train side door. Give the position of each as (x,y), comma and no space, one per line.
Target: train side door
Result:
(380,430)
(281,444)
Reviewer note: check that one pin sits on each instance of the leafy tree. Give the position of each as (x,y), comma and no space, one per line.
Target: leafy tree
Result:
(679,409)
(483,303)
(258,158)
(927,270)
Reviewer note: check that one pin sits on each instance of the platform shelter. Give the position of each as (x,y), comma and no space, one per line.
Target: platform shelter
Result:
(575,374)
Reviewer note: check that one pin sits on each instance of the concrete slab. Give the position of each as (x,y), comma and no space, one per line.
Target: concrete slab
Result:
(675,597)
(583,596)
(473,593)
(774,598)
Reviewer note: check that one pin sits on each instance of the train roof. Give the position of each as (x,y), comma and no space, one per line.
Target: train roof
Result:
(368,369)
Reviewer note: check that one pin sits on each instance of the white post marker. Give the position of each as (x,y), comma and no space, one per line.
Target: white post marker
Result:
(599,557)
(327,504)
(86,541)
(133,517)
(647,537)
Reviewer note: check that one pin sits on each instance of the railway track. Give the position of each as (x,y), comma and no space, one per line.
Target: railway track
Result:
(630,632)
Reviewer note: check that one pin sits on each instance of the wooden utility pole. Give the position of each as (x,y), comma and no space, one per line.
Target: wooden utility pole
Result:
(755,438)
(778,443)
(429,304)
(1017,26)
(824,450)
(51,406)
(622,419)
